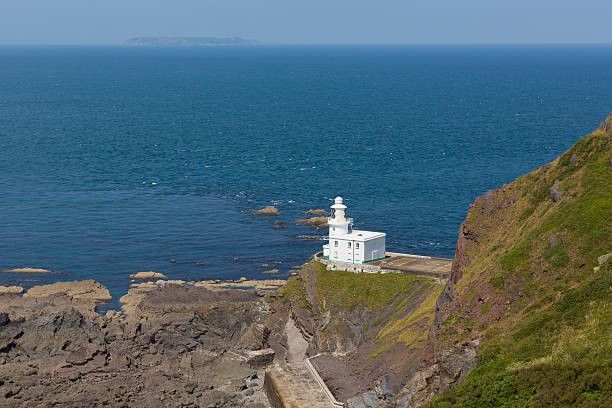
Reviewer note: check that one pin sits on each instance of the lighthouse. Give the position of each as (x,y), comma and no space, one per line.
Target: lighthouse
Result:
(346,244)
(338,223)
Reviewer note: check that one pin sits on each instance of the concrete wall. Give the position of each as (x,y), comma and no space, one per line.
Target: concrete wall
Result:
(374,249)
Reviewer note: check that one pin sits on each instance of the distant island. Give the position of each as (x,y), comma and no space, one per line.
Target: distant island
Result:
(187,41)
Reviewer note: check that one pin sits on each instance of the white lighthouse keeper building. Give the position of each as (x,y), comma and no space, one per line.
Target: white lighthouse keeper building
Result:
(349,245)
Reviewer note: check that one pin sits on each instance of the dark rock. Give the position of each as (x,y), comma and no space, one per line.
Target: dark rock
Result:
(260,358)
(543,169)
(573,160)
(4,319)
(555,191)
(365,400)
(12,391)
(385,388)
(190,387)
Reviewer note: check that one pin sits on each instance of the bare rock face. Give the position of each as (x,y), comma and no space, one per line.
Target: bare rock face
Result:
(88,290)
(175,346)
(555,192)
(11,290)
(451,368)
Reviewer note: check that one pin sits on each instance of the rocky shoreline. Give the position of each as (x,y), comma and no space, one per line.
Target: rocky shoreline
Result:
(170,345)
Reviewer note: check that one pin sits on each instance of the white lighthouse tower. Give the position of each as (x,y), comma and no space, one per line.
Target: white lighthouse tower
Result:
(338,223)
(349,245)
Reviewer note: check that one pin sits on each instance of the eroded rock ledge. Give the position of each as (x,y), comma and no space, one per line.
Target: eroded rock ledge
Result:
(174,346)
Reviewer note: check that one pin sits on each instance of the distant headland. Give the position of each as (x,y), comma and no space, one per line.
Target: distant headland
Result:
(187,41)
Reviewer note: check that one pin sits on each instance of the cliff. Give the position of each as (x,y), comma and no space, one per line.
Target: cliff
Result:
(526,319)
(356,328)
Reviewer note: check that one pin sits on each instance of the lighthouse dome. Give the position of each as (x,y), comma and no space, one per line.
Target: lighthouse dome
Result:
(338,205)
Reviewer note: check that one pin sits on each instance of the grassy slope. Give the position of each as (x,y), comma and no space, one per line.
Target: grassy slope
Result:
(545,317)
(402,305)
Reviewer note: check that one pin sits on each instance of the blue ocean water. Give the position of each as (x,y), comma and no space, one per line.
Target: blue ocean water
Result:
(115,160)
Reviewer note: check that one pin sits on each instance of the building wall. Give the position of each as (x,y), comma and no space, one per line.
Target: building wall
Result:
(341,250)
(347,251)
(358,252)
(374,249)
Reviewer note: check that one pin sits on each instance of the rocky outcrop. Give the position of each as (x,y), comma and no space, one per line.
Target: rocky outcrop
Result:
(317,211)
(148,275)
(268,211)
(450,368)
(11,290)
(26,270)
(176,346)
(314,222)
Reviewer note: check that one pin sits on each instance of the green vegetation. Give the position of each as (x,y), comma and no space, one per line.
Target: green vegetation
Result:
(552,345)
(404,305)
(556,256)
(374,291)
(497,282)
(561,356)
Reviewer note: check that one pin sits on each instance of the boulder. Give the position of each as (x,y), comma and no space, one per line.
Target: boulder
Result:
(602,259)
(314,222)
(555,191)
(148,275)
(318,211)
(365,400)
(268,211)
(260,358)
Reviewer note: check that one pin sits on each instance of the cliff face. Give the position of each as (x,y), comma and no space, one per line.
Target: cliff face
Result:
(356,328)
(525,318)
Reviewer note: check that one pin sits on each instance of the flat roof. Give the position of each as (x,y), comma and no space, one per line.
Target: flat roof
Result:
(358,235)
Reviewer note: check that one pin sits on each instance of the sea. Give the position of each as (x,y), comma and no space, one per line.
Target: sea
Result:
(117,160)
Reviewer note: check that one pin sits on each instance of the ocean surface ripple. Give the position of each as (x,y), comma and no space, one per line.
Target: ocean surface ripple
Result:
(116,160)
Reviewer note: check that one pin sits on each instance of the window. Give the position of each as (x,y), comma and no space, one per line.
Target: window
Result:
(333,229)
(356,245)
(336,244)
(349,245)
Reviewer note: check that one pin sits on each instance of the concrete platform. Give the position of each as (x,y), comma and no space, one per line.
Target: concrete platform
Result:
(396,263)
(295,386)
(416,264)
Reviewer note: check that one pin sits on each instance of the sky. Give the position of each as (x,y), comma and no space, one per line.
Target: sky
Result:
(309,22)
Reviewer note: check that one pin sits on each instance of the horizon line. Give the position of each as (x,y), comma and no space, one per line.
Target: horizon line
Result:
(311,44)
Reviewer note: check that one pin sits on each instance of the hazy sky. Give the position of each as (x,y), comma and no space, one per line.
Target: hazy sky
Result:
(310,21)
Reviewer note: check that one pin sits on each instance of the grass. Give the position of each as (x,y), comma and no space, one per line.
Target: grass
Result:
(372,290)
(411,320)
(403,304)
(556,256)
(561,356)
(554,348)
